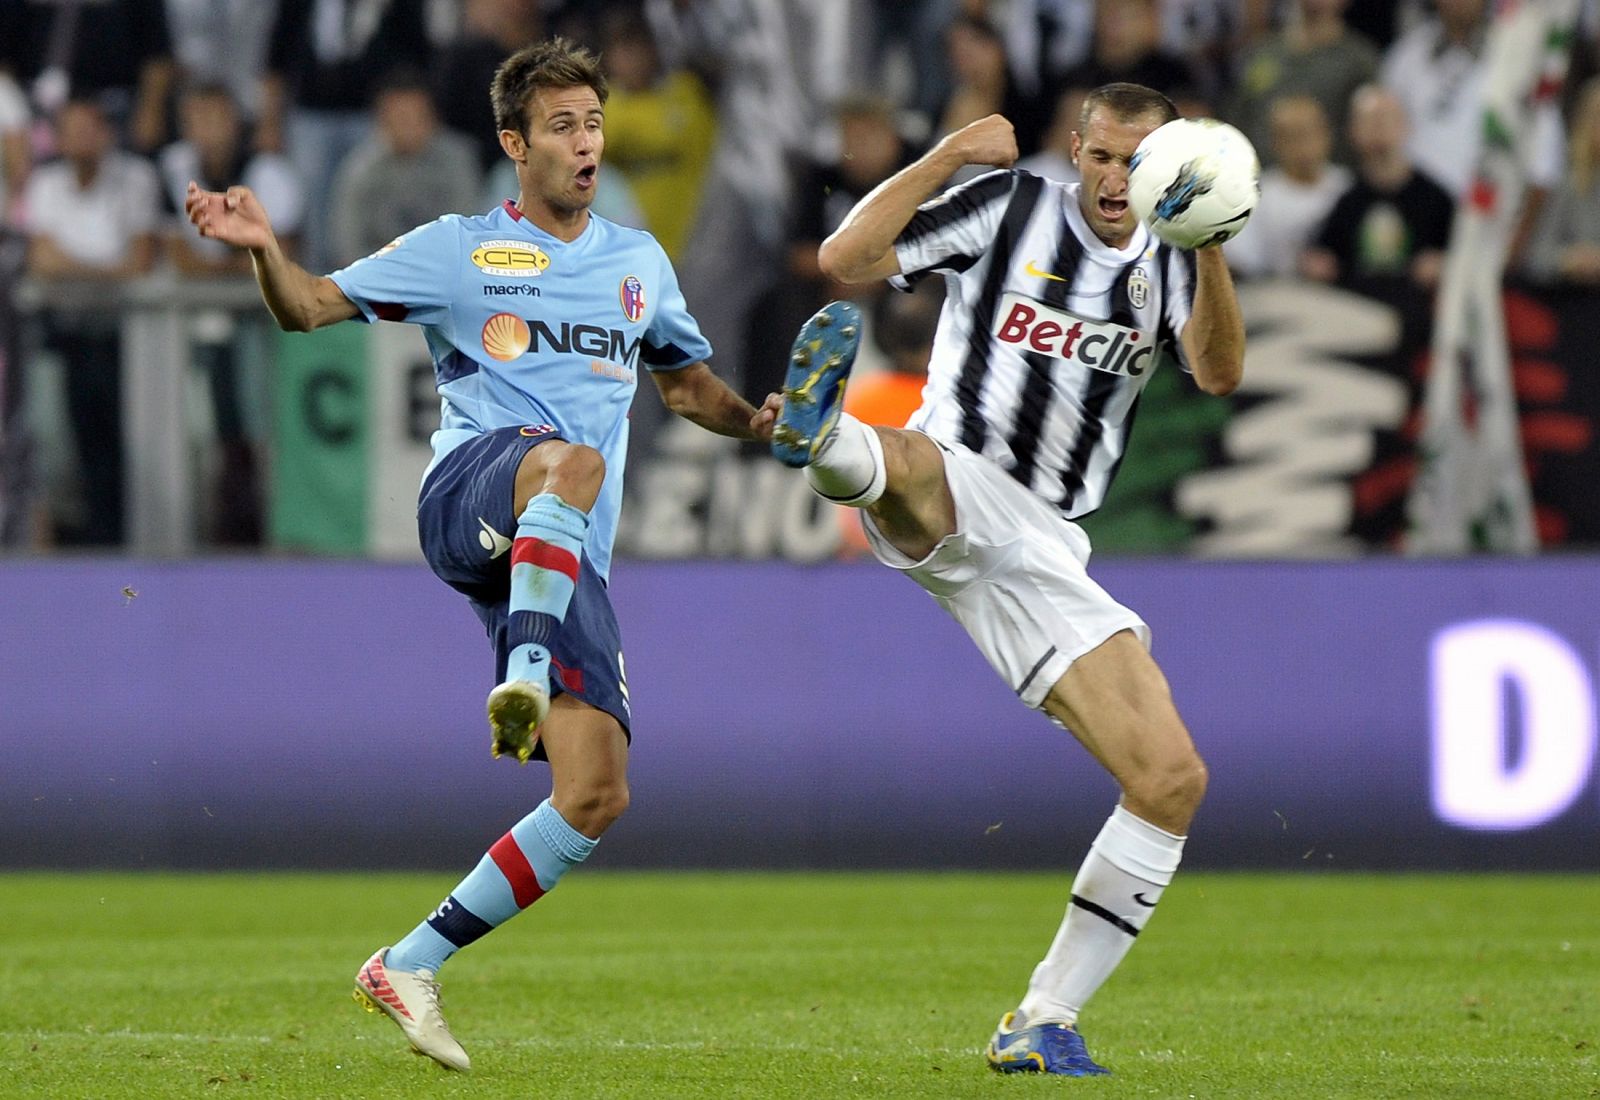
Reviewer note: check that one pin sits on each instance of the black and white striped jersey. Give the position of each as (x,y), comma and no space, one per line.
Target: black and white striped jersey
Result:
(1048,334)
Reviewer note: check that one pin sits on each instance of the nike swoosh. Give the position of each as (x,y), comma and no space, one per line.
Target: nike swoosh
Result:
(496,543)
(1140,899)
(1033,270)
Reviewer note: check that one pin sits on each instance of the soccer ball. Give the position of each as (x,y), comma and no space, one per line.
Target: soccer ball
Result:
(1194,181)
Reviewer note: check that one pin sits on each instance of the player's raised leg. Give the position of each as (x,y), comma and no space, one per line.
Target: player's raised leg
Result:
(588,754)
(1116,700)
(895,475)
(557,483)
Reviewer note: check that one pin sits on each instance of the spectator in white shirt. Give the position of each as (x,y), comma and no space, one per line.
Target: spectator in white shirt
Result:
(91,216)
(1437,69)
(1296,194)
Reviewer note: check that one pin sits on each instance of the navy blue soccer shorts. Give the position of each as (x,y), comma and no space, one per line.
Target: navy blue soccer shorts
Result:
(466,524)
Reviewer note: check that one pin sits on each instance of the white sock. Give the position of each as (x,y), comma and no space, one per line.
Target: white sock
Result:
(849,468)
(1128,866)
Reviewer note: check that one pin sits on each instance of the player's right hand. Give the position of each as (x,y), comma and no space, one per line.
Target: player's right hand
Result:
(990,140)
(234,216)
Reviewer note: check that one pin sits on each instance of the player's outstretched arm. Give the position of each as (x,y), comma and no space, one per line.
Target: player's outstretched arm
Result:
(299,300)
(1213,339)
(698,395)
(861,250)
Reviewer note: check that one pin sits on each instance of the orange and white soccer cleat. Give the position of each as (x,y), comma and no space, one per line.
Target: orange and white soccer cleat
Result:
(411,999)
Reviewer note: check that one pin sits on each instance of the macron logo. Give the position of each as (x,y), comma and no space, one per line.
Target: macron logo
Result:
(1031,326)
(492,540)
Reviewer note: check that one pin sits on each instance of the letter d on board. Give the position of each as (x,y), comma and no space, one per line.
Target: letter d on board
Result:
(1487,774)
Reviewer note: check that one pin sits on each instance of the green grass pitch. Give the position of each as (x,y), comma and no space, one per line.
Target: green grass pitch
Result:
(808,986)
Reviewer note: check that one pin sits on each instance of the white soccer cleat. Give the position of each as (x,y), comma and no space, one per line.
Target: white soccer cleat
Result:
(516,708)
(411,999)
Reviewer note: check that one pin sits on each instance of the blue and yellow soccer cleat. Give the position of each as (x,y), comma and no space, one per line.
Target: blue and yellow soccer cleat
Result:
(813,390)
(1047,1048)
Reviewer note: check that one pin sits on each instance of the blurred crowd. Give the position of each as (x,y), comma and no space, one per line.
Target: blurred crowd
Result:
(739,132)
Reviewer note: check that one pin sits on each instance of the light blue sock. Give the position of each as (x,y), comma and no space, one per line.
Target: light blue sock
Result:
(544,574)
(519,869)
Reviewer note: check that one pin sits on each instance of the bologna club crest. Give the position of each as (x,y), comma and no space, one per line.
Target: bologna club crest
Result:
(632,298)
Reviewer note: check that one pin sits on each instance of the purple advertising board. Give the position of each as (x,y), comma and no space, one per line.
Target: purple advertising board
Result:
(1374,713)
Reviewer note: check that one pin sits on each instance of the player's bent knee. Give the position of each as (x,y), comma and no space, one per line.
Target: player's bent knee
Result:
(572,471)
(578,466)
(1172,790)
(597,806)
(911,461)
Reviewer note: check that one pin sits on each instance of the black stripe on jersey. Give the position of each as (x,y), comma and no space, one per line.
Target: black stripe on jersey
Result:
(969,386)
(1124,434)
(1166,335)
(1039,386)
(961,202)
(955,265)
(1102,387)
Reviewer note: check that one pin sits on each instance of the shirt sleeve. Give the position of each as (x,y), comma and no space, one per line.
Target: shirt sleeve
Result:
(949,233)
(412,278)
(673,339)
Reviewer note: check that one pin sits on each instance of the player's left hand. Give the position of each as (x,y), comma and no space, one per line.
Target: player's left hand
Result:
(766,416)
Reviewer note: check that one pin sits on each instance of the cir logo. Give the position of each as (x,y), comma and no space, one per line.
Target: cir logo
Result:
(632,294)
(512,259)
(506,336)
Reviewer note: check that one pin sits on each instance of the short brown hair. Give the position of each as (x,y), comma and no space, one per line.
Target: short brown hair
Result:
(554,63)
(1126,101)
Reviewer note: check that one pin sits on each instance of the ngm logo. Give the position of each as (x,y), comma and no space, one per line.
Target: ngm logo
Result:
(507,336)
(1513,724)
(511,259)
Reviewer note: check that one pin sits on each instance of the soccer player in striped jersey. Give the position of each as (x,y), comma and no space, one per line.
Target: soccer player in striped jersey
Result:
(538,315)
(1059,306)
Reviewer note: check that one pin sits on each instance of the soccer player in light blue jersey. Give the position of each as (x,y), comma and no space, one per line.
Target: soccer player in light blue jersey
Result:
(538,316)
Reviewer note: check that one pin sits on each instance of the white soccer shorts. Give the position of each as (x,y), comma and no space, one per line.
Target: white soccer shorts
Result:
(1013,575)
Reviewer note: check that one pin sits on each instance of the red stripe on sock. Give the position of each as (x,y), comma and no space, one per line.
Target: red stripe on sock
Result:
(542,554)
(507,856)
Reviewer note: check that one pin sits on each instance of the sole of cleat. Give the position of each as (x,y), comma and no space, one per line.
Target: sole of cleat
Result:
(515,714)
(813,395)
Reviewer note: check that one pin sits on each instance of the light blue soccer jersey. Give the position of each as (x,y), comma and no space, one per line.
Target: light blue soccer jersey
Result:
(525,329)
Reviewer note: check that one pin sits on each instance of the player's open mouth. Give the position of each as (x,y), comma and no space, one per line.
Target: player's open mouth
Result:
(586,175)
(1112,209)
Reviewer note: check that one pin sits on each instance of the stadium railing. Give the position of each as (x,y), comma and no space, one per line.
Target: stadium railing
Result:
(155,314)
